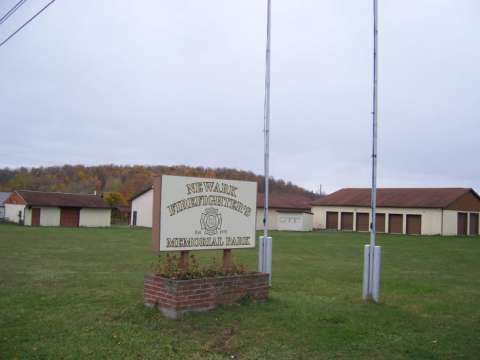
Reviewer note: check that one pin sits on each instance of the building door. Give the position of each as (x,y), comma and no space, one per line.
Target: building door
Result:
(35,216)
(395,223)
(346,221)
(473,224)
(462,223)
(414,224)
(134,219)
(362,221)
(380,223)
(70,217)
(332,220)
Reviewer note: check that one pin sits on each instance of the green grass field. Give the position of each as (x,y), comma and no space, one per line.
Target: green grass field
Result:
(77,294)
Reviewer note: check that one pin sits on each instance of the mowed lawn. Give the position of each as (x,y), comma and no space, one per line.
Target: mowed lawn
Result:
(77,294)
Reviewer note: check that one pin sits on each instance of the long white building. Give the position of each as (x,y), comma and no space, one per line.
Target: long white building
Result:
(421,211)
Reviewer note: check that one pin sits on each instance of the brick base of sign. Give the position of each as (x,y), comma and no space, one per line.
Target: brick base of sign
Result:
(177,297)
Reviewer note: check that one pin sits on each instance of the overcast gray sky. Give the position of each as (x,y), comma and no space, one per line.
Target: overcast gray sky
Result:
(182,82)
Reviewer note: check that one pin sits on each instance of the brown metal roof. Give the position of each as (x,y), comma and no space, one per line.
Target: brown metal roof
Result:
(290,211)
(286,201)
(395,197)
(40,198)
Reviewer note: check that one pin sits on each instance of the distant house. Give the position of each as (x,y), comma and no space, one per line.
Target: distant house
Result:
(421,211)
(286,211)
(38,208)
(3,197)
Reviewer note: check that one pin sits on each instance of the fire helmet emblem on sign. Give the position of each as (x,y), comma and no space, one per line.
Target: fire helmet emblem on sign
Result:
(211,221)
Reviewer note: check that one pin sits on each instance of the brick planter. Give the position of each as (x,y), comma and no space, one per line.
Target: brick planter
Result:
(176,297)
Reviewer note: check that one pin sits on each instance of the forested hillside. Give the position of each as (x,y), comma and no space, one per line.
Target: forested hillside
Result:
(125,180)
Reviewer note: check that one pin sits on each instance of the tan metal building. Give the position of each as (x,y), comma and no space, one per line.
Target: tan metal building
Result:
(38,208)
(418,211)
(287,212)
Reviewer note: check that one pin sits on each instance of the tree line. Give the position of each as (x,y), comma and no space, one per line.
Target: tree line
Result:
(122,182)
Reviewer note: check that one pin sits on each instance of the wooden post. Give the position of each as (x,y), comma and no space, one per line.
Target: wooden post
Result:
(184,260)
(227,259)
(157,195)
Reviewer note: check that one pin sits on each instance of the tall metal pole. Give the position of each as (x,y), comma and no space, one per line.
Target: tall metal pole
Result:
(266,128)
(265,242)
(373,230)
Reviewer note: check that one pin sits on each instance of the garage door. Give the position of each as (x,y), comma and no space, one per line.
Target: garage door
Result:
(362,221)
(462,223)
(414,224)
(69,217)
(36,217)
(395,223)
(346,221)
(332,220)
(380,223)
(473,224)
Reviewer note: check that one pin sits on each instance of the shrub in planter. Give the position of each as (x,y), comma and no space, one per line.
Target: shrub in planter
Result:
(176,289)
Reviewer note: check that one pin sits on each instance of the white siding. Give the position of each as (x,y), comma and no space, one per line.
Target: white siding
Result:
(272,219)
(28,216)
(143,205)
(307,222)
(49,216)
(290,221)
(431,220)
(95,217)
(294,221)
(11,212)
(450,220)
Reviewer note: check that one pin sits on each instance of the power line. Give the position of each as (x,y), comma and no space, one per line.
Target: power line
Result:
(25,24)
(11,11)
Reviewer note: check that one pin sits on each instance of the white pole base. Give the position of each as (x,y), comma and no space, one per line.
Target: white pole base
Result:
(265,256)
(377,260)
(366,272)
(371,282)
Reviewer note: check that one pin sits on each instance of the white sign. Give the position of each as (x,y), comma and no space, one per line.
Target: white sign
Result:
(207,214)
